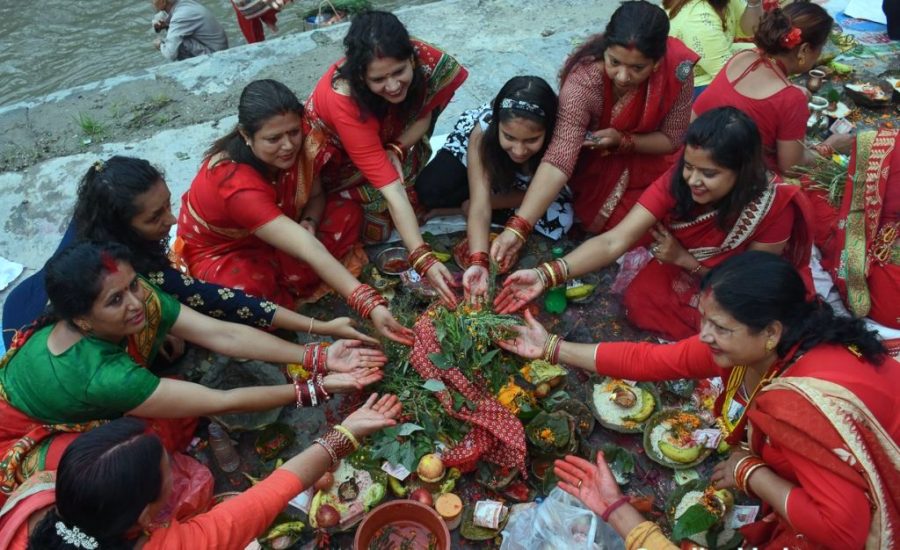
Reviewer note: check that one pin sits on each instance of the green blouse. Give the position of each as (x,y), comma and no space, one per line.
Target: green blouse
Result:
(92,380)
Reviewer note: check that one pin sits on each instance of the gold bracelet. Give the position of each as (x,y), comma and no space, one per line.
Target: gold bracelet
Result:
(311,321)
(516,233)
(348,434)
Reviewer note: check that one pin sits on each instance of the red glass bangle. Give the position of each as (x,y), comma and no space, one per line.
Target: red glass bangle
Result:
(480,259)
(612,508)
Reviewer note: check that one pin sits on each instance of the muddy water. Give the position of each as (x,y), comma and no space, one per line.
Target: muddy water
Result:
(49,45)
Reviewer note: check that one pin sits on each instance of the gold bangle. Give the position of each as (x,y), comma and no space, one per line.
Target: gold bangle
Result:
(348,434)
(516,233)
(311,321)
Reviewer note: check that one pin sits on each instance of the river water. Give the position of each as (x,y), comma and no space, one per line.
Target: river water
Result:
(49,45)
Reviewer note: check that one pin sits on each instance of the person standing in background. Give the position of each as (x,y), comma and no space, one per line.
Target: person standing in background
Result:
(192,29)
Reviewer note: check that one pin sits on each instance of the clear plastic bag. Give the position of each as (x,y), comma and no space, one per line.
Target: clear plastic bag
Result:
(629,265)
(561,521)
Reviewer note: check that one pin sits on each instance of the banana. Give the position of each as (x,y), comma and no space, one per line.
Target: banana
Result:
(723,447)
(579,291)
(682,455)
(442,256)
(648,403)
(397,487)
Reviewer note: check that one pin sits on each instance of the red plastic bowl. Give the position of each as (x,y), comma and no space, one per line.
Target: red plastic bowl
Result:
(401,510)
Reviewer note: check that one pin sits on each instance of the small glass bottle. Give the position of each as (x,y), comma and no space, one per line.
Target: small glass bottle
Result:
(555,301)
(223,449)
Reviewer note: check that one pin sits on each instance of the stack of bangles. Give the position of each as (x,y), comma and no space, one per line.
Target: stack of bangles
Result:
(551,349)
(743,469)
(553,274)
(364,299)
(338,442)
(310,391)
(481,259)
(626,143)
(519,226)
(397,148)
(422,258)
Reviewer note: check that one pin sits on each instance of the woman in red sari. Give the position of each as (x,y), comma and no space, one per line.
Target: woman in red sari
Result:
(368,123)
(858,239)
(788,41)
(716,203)
(629,89)
(812,395)
(256,219)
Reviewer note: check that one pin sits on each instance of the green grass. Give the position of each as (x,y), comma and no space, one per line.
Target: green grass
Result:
(90,126)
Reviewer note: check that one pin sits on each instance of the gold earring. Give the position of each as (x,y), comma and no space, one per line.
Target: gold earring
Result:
(770,345)
(801,59)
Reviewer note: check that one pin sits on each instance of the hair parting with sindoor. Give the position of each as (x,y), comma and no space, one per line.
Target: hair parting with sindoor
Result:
(536,91)
(635,24)
(105,480)
(758,288)
(260,101)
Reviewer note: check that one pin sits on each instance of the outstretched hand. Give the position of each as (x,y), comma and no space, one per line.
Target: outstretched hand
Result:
(475,285)
(375,414)
(349,355)
(390,328)
(529,340)
(345,327)
(519,288)
(441,280)
(349,382)
(594,485)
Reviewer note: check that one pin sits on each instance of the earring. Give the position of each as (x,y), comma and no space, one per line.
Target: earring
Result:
(770,345)
(801,59)
(84,327)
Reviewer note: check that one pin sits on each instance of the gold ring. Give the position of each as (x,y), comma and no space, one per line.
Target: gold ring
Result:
(580,481)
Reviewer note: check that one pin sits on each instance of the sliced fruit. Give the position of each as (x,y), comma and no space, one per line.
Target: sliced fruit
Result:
(682,455)
(579,291)
(648,403)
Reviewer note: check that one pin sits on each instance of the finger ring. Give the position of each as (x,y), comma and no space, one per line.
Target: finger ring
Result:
(654,250)
(579,483)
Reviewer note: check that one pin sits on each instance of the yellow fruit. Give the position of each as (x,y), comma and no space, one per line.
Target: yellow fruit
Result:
(442,256)
(723,447)
(431,468)
(580,291)
(648,403)
(682,455)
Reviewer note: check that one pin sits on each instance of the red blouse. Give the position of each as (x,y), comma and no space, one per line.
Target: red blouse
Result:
(235,196)
(779,117)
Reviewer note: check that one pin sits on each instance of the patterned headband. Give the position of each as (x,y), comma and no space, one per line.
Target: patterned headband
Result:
(522,106)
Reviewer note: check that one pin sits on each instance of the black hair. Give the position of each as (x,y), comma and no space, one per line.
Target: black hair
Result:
(758,288)
(74,276)
(534,100)
(374,35)
(260,101)
(106,205)
(812,20)
(732,140)
(105,479)
(634,24)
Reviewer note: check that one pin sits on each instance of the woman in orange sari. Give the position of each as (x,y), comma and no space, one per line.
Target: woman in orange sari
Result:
(256,219)
(716,203)
(368,123)
(629,89)
(811,395)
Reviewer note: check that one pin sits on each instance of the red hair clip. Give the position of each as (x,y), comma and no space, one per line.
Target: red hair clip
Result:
(792,38)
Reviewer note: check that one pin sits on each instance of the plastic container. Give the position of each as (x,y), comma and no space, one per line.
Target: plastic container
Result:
(449,507)
(223,449)
(555,301)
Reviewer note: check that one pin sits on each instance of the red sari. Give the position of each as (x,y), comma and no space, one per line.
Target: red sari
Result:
(827,424)
(228,202)
(859,246)
(606,185)
(348,149)
(663,297)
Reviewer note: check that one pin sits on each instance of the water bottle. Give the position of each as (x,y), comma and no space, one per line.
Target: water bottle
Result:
(223,449)
(555,301)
